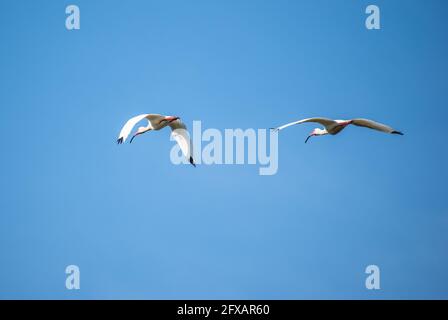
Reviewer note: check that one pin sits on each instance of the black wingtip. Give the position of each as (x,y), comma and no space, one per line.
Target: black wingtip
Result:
(398,132)
(120,141)
(192,162)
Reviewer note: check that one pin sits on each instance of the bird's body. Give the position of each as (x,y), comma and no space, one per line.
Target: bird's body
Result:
(333,127)
(157,122)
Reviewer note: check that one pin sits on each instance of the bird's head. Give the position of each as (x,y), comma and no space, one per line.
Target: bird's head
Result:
(171,118)
(167,120)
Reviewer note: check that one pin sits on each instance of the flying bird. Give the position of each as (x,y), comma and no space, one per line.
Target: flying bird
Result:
(157,122)
(335,126)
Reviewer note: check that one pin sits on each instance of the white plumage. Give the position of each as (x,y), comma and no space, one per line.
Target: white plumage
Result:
(157,122)
(335,126)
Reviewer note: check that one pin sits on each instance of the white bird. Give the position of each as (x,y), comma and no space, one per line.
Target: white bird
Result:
(335,126)
(157,122)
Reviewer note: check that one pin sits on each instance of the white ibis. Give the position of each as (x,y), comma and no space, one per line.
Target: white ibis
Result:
(335,126)
(157,122)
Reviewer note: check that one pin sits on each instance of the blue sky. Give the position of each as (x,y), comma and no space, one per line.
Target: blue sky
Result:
(140,227)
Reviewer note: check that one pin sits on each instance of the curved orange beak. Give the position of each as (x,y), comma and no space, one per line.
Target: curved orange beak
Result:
(171,119)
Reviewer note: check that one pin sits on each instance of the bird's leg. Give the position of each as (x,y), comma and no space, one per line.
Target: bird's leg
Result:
(139,133)
(134,137)
(308,138)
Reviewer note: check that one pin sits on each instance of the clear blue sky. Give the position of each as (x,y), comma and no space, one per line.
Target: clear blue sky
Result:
(140,227)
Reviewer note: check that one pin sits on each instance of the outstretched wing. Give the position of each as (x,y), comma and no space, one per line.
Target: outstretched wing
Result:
(127,128)
(323,121)
(374,125)
(182,137)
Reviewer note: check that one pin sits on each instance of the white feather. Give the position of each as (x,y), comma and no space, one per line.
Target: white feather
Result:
(182,137)
(130,124)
